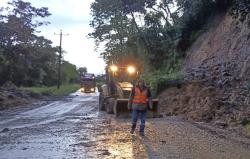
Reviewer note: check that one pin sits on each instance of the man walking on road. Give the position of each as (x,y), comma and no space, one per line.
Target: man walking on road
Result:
(139,98)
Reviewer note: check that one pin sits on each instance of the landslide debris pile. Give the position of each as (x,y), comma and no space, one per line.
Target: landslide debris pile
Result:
(216,77)
(11,96)
(224,100)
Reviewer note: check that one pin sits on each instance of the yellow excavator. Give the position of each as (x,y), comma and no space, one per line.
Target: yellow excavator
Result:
(114,94)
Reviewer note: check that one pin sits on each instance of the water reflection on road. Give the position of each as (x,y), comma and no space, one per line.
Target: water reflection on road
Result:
(68,129)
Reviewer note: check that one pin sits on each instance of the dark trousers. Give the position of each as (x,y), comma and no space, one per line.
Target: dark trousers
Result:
(135,115)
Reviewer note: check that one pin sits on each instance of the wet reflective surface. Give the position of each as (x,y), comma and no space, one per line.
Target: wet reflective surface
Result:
(74,128)
(67,129)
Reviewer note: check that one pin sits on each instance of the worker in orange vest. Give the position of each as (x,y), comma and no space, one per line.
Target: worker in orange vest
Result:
(139,99)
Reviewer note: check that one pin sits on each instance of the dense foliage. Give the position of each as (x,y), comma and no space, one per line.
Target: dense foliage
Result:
(154,34)
(25,58)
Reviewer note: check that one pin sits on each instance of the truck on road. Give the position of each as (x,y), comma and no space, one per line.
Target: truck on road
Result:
(88,83)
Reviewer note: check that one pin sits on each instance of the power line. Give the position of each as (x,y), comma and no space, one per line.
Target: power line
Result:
(59,60)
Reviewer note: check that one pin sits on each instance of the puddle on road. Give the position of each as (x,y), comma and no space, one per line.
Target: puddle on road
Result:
(122,145)
(79,93)
(95,138)
(111,140)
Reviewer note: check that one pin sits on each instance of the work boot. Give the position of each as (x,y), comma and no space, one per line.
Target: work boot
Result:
(133,129)
(141,133)
(142,127)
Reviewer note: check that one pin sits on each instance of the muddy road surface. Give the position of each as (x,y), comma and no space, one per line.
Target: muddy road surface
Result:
(68,128)
(73,128)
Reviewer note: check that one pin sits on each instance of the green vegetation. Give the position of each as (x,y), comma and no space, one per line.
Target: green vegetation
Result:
(64,89)
(159,80)
(27,59)
(69,73)
(248,128)
(152,34)
(148,32)
(100,80)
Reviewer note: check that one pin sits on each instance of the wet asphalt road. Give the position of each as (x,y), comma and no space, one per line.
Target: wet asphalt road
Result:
(74,128)
(70,128)
(50,131)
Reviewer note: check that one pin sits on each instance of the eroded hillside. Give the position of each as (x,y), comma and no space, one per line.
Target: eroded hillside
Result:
(216,77)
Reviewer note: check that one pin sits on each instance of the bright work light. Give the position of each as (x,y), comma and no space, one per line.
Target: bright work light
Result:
(131,69)
(114,68)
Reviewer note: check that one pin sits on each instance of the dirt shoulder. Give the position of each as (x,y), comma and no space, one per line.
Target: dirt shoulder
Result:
(11,96)
(174,138)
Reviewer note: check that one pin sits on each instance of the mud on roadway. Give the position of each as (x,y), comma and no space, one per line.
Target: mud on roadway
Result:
(74,128)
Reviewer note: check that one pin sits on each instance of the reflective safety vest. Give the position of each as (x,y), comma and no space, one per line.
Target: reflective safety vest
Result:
(140,97)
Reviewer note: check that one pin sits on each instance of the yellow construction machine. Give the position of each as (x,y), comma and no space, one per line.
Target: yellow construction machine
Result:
(114,94)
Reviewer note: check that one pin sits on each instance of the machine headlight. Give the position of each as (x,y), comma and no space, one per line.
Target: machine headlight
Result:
(82,89)
(92,89)
(114,68)
(131,69)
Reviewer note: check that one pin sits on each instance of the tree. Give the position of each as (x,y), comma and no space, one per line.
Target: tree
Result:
(118,26)
(152,33)
(82,70)
(24,52)
(69,73)
(25,58)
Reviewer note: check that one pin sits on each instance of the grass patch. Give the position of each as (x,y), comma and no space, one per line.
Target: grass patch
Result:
(248,128)
(64,90)
(158,81)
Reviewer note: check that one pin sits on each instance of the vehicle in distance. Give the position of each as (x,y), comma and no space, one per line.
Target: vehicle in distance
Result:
(88,83)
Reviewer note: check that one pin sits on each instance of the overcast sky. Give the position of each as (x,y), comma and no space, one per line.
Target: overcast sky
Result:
(72,16)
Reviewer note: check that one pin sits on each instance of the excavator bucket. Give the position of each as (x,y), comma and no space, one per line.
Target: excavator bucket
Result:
(121,109)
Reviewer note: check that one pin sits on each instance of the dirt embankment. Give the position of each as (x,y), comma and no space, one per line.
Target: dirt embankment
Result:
(216,77)
(11,96)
